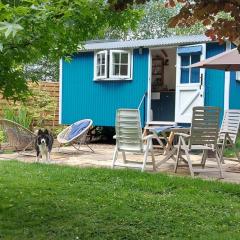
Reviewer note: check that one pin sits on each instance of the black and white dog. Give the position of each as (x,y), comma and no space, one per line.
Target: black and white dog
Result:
(43,144)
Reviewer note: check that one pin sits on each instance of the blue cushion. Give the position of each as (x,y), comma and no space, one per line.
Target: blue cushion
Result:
(76,129)
(164,128)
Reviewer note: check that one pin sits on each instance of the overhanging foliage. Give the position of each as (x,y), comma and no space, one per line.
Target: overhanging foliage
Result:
(221,17)
(32,29)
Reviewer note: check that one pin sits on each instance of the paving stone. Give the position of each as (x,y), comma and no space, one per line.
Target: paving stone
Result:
(102,157)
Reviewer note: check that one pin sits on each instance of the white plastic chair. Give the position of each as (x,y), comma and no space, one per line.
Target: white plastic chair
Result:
(77,140)
(229,132)
(203,136)
(129,138)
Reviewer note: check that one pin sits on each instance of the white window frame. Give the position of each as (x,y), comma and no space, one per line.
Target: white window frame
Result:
(128,76)
(237,75)
(179,63)
(95,65)
(190,68)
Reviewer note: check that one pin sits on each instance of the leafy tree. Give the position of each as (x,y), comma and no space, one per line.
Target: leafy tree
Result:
(43,70)
(221,17)
(154,24)
(33,29)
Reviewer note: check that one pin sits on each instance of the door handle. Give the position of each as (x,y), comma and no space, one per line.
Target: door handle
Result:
(201,81)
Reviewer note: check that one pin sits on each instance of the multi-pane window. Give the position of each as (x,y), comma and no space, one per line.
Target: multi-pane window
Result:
(112,65)
(188,74)
(101,65)
(119,64)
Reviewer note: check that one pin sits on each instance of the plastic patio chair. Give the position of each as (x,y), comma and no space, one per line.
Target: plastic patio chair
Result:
(18,137)
(129,138)
(76,134)
(203,136)
(229,132)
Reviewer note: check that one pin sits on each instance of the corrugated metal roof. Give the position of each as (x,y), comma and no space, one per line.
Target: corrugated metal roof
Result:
(160,42)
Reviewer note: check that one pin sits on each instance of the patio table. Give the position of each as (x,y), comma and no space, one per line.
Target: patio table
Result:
(160,134)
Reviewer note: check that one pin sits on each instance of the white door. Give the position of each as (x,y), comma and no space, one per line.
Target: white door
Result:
(189,82)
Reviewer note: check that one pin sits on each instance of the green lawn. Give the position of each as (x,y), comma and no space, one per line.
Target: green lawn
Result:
(229,151)
(40,201)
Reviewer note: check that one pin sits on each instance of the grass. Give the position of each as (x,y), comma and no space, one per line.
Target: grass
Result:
(40,201)
(229,151)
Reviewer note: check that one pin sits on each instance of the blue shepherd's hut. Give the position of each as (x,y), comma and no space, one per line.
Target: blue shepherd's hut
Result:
(154,75)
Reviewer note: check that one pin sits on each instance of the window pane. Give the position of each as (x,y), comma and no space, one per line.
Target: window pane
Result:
(98,58)
(195,58)
(102,70)
(184,75)
(124,70)
(116,70)
(238,76)
(98,71)
(103,58)
(185,60)
(124,58)
(195,72)
(195,75)
(116,57)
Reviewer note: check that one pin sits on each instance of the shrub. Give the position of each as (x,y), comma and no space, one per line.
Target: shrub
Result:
(20,115)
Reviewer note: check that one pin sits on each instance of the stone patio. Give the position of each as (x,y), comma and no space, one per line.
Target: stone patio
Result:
(103,158)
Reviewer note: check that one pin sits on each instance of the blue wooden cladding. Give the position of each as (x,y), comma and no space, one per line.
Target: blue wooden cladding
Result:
(234,94)
(214,79)
(82,97)
(234,100)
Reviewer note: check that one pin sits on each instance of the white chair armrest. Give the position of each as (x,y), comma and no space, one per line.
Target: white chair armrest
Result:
(148,137)
(182,135)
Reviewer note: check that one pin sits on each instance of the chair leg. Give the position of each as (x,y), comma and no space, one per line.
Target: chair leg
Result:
(146,155)
(24,150)
(145,160)
(153,157)
(204,158)
(89,147)
(124,157)
(178,155)
(189,163)
(221,150)
(153,161)
(115,155)
(59,146)
(188,157)
(219,164)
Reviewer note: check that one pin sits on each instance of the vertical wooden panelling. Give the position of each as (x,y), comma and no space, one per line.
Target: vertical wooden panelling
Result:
(214,80)
(234,93)
(51,88)
(82,97)
(234,101)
